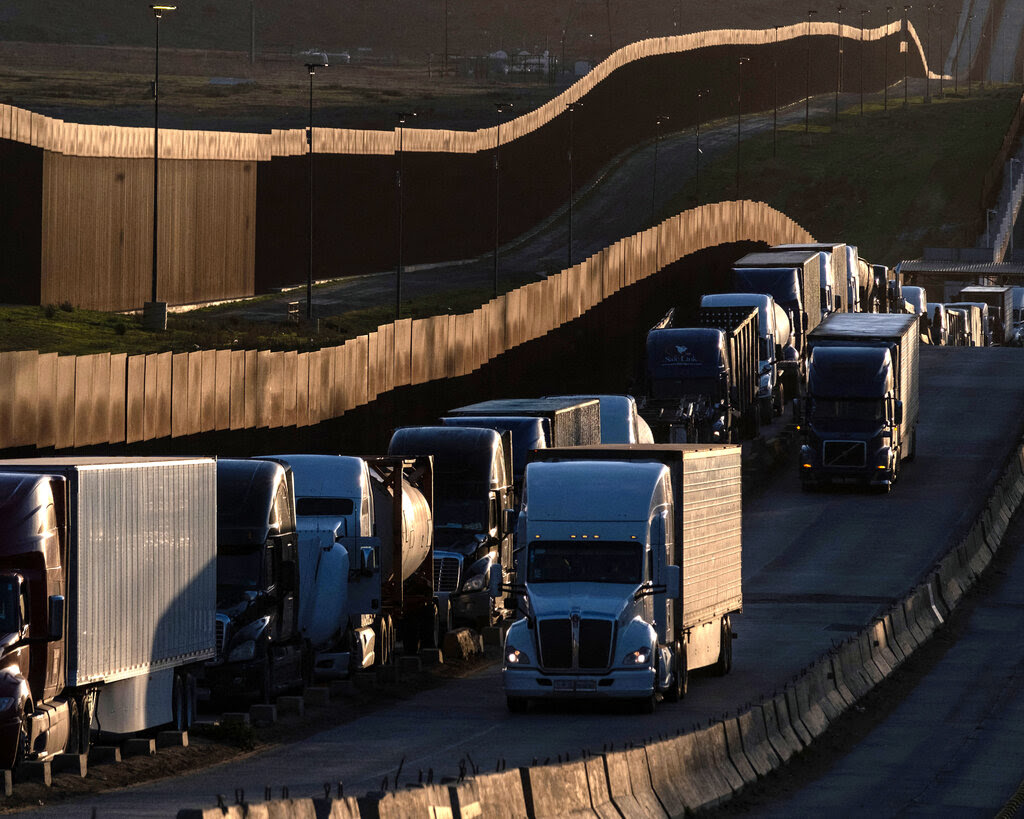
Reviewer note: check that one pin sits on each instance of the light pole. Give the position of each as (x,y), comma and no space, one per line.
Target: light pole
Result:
(654,181)
(970,50)
(700,96)
(444,60)
(906,55)
(775,95)
(839,58)
(500,108)
(862,13)
(942,63)
(402,117)
(157,318)
(571,108)
(807,98)
(928,56)
(885,51)
(739,117)
(311,68)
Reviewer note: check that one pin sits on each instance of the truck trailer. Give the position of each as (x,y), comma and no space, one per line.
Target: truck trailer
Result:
(108,580)
(629,558)
(859,418)
(573,421)
(1000,308)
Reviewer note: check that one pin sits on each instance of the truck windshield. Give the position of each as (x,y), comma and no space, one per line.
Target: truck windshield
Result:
(585,562)
(847,409)
(240,568)
(461,513)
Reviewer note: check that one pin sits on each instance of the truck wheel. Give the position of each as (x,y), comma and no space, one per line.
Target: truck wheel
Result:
(430,627)
(178,706)
(680,675)
(409,634)
(517,705)
(74,743)
(724,664)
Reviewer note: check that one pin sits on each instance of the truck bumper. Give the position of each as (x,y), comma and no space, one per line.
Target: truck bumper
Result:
(234,679)
(618,684)
(471,606)
(862,477)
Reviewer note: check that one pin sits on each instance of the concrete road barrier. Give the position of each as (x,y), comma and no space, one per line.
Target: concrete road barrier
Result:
(713,739)
(597,781)
(498,794)
(875,665)
(806,706)
(854,674)
(462,643)
(640,782)
(676,776)
(759,751)
(917,610)
(278,809)
(431,800)
(345,808)
(620,788)
(979,555)
(882,633)
(822,688)
(839,679)
(951,579)
(556,790)
(734,748)
(902,634)
(785,744)
(790,725)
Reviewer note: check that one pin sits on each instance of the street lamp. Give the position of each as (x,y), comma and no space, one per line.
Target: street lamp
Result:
(942,64)
(862,13)
(970,50)
(885,51)
(739,117)
(700,95)
(402,117)
(906,55)
(928,56)
(500,108)
(654,181)
(839,58)
(571,108)
(807,98)
(775,95)
(157,318)
(311,68)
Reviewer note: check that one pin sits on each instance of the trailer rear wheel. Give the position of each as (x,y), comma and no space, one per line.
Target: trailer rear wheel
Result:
(430,627)
(724,664)
(179,709)
(74,743)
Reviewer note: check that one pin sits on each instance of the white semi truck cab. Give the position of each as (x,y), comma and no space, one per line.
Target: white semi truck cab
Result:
(600,551)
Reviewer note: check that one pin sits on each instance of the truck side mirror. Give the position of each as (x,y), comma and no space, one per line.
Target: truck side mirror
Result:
(672,582)
(55,617)
(898,412)
(511,517)
(494,580)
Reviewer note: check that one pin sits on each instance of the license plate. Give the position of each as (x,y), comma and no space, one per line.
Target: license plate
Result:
(575,685)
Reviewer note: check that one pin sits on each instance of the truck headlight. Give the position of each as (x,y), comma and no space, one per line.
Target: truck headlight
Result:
(476,583)
(513,656)
(242,652)
(642,656)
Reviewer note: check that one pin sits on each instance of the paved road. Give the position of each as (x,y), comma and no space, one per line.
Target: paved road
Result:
(816,568)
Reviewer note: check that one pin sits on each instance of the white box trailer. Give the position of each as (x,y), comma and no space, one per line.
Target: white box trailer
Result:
(136,573)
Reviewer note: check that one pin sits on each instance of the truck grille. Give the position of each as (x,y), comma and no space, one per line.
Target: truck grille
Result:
(446,574)
(556,644)
(844,453)
(220,630)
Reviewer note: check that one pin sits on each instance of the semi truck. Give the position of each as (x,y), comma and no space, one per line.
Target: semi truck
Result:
(773,333)
(701,382)
(365,536)
(107,580)
(261,650)
(1000,308)
(573,421)
(834,273)
(630,565)
(977,323)
(621,422)
(473,513)
(792,278)
(859,418)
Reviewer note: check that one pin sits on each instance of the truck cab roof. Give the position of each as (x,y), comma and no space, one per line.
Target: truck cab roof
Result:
(254,500)
(619,491)
(474,453)
(849,372)
(685,352)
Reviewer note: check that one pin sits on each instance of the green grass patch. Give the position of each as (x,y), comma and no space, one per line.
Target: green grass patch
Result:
(890,182)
